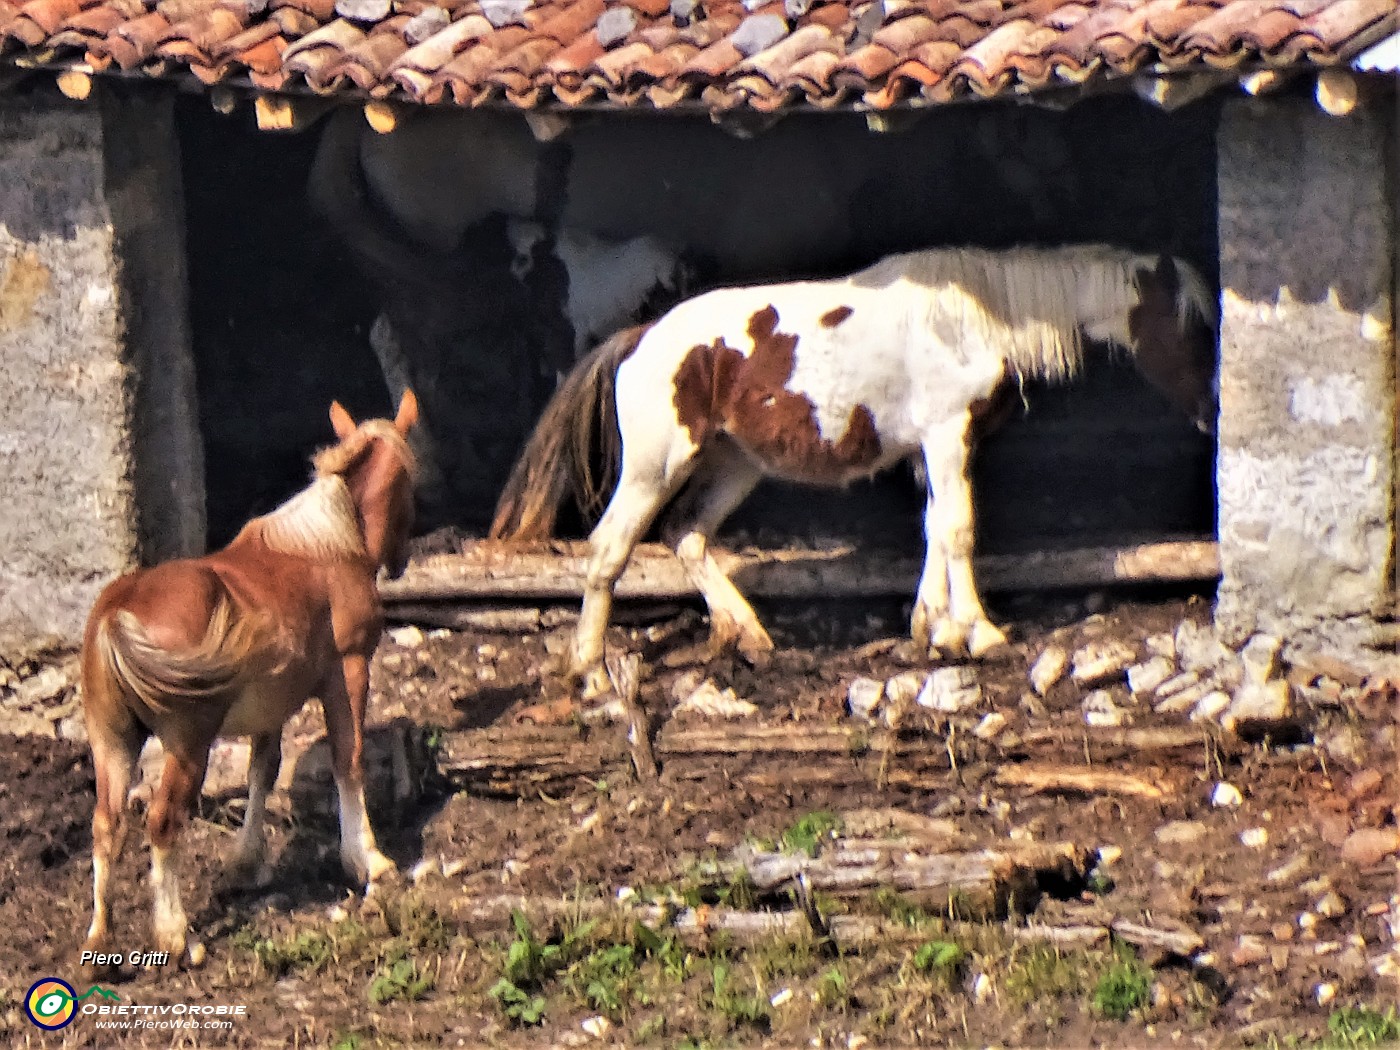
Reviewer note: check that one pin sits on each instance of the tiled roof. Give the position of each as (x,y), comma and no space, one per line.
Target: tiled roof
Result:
(724,54)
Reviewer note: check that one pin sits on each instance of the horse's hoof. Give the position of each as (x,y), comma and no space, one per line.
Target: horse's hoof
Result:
(595,684)
(948,638)
(983,638)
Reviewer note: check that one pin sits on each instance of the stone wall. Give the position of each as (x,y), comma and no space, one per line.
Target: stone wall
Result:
(99,470)
(1306,468)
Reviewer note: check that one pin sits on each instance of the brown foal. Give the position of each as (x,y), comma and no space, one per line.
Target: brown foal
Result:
(233,644)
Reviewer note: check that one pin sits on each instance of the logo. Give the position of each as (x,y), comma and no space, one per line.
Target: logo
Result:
(51,1003)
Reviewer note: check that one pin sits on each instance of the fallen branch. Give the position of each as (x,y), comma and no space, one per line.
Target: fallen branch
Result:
(487,570)
(1038,778)
(523,759)
(624,672)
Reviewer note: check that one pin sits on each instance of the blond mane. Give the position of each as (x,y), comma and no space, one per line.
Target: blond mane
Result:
(320,521)
(1027,304)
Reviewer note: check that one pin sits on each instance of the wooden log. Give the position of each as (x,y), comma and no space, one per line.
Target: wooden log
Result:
(1177,942)
(988,880)
(1040,778)
(488,570)
(625,674)
(525,759)
(75,84)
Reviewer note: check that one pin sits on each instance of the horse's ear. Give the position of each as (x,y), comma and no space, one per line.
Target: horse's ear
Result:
(408,412)
(341,421)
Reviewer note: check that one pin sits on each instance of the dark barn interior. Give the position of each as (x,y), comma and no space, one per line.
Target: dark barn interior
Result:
(281,316)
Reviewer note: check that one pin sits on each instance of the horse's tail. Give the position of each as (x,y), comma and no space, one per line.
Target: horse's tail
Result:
(236,646)
(340,193)
(578,424)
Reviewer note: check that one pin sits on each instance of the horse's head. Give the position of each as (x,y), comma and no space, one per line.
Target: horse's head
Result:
(379,467)
(1173,329)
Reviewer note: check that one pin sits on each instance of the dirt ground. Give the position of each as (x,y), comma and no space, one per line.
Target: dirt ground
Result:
(1293,934)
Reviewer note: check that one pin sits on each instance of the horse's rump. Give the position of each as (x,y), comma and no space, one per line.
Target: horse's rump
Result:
(577,429)
(237,646)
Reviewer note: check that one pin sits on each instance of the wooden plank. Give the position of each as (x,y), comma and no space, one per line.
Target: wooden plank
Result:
(487,570)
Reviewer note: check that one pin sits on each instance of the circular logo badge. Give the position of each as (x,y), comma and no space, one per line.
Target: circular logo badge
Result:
(50,1003)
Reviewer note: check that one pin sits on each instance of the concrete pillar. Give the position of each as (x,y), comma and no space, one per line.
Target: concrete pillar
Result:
(100,459)
(1307,455)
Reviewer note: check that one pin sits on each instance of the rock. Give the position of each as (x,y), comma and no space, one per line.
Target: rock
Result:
(1255,838)
(1249,950)
(73,728)
(1226,794)
(48,685)
(1109,855)
(410,637)
(1048,669)
(1369,846)
(1100,710)
(1259,658)
(1334,828)
(1162,645)
(1259,704)
(1330,905)
(1363,784)
(950,689)
(1180,832)
(710,701)
(1199,649)
(901,690)
(1347,745)
(1209,707)
(1100,663)
(1146,677)
(685,684)
(863,696)
(1183,699)
(990,726)
(596,1026)
(1177,684)
(1324,993)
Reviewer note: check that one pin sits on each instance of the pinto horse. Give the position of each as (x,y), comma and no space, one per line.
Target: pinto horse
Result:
(828,381)
(235,643)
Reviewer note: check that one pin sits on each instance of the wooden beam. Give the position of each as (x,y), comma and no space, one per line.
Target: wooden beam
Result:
(288,113)
(75,84)
(491,571)
(1264,81)
(382,116)
(1338,91)
(224,100)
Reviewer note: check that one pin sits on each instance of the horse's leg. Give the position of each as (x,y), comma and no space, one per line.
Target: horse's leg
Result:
(343,697)
(171,806)
(251,845)
(115,751)
(722,481)
(640,494)
(965,626)
(931,599)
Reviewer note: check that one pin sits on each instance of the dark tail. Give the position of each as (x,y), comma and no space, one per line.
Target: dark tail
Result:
(578,426)
(339,193)
(235,647)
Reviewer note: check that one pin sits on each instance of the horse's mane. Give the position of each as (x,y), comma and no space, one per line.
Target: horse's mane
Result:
(320,521)
(1025,303)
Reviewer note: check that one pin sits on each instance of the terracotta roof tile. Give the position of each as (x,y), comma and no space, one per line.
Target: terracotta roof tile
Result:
(722,53)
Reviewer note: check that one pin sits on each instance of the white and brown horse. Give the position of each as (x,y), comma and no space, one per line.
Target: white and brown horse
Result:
(233,644)
(829,381)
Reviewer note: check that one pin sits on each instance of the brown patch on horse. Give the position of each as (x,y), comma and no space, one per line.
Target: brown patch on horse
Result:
(990,412)
(716,387)
(832,318)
